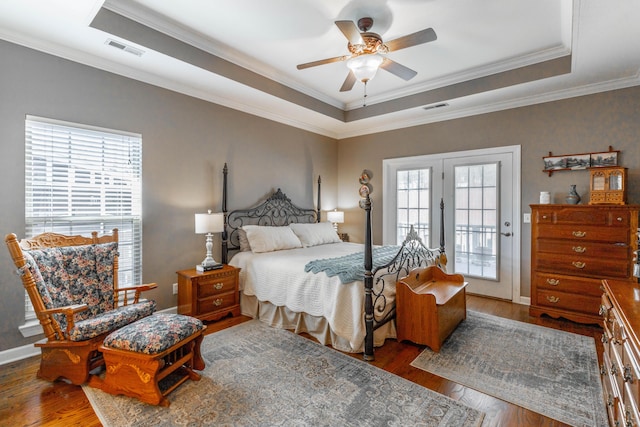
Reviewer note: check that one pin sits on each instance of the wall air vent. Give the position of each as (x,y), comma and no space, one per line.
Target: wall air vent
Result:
(124,47)
(431,107)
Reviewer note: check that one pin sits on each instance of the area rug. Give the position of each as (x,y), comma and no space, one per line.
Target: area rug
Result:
(256,375)
(551,372)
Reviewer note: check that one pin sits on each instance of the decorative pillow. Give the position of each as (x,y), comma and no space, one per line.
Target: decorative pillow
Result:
(264,238)
(242,239)
(315,234)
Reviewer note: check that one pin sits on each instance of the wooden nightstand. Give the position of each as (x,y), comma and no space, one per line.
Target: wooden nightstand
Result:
(210,295)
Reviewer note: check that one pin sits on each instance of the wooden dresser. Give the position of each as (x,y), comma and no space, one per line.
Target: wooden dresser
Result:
(574,247)
(620,368)
(210,295)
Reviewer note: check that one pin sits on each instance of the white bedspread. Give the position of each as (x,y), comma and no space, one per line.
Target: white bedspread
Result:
(279,278)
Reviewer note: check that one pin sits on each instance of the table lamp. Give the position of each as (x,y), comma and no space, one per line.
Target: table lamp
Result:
(336,217)
(208,224)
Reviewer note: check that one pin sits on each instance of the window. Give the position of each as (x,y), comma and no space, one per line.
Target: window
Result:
(413,200)
(80,179)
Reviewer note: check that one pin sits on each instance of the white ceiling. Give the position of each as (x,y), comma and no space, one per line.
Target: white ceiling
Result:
(247,52)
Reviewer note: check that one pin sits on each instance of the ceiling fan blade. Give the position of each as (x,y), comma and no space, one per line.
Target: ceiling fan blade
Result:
(401,71)
(348,82)
(420,37)
(322,62)
(350,31)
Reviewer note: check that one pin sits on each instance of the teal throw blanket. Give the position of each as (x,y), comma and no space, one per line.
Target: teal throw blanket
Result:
(350,268)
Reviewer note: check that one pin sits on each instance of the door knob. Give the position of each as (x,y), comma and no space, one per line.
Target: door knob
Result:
(507,234)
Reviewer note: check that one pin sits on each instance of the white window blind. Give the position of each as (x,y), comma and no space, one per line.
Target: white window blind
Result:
(80,179)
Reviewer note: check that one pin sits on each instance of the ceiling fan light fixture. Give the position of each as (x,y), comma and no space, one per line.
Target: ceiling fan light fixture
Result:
(365,66)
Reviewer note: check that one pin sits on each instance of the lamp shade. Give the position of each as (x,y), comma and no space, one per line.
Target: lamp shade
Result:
(335,217)
(209,223)
(365,66)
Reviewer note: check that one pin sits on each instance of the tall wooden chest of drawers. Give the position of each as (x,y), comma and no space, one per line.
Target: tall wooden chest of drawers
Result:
(620,369)
(574,247)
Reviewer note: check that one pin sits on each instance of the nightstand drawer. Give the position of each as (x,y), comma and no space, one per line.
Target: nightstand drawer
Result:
(216,285)
(217,302)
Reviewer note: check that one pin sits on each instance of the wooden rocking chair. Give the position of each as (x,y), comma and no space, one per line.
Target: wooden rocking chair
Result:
(72,282)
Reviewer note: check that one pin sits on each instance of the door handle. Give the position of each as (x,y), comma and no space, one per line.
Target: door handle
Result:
(507,234)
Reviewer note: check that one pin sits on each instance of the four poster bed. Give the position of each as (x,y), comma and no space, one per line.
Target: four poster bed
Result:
(297,274)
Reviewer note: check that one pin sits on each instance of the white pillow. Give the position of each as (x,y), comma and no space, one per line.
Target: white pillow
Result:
(314,234)
(268,239)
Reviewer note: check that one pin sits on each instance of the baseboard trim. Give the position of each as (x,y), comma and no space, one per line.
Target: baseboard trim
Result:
(24,352)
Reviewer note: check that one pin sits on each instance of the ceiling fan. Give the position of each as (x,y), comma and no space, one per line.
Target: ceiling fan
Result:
(367,50)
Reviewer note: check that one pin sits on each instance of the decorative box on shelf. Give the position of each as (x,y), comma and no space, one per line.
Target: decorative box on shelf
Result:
(608,186)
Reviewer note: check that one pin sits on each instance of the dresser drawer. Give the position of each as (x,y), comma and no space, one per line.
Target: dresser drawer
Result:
(583,266)
(217,302)
(630,373)
(586,248)
(567,301)
(579,216)
(570,284)
(579,233)
(215,285)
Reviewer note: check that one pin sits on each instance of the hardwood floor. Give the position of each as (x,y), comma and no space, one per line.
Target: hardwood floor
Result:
(28,401)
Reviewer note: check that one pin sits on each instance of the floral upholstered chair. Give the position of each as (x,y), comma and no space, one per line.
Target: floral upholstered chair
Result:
(72,282)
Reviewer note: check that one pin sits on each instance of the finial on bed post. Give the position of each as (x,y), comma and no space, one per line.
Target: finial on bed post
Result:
(318,207)
(225,171)
(368,283)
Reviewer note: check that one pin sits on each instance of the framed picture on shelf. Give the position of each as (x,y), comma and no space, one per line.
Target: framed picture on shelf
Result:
(604,159)
(570,161)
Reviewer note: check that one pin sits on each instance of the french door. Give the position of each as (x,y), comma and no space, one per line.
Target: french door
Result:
(481,193)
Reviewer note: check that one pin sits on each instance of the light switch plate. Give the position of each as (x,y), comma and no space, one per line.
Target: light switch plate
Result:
(175,289)
(526,218)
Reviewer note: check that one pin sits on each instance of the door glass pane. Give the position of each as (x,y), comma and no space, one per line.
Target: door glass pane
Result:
(413,193)
(475,205)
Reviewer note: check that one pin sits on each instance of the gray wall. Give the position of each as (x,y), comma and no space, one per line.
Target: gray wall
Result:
(186,142)
(578,125)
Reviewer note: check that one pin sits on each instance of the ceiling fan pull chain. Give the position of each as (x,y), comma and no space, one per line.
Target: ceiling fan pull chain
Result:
(364,100)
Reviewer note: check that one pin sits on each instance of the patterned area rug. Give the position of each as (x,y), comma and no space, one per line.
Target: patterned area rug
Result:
(257,376)
(551,372)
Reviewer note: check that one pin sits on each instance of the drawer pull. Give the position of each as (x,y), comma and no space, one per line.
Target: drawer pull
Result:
(553,282)
(579,249)
(579,264)
(219,285)
(627,374)
(579,233)
(553,299)
(619,219)
(218,302)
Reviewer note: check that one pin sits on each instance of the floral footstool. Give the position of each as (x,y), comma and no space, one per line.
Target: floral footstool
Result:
(150,358)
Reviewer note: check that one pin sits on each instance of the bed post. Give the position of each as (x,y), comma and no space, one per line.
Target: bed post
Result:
(318,206)
(442,225)
(368,284)
(224,213)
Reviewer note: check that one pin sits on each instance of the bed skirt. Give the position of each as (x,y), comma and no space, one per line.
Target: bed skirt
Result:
(318,327)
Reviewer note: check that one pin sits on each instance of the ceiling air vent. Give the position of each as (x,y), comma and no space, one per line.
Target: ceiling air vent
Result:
(431,107)
(124,47)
